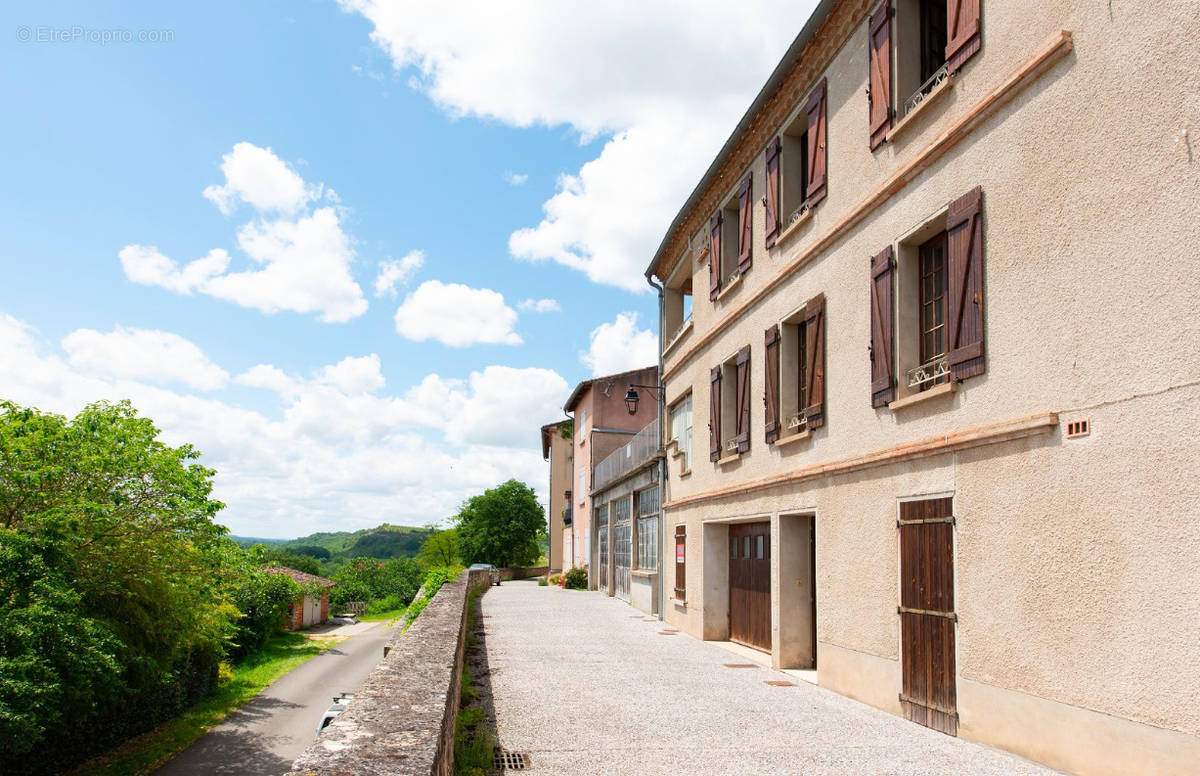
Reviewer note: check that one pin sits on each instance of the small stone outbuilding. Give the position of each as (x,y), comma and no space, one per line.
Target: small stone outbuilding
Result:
(309,609)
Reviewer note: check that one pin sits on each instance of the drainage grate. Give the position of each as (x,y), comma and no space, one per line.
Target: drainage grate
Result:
(504,760)
(778,683)
(739,665)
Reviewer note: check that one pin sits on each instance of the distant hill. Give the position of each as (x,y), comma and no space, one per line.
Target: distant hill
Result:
(385,541)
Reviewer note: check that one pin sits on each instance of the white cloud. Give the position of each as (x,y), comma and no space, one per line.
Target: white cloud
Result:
(666,93)
(515,178)
(143,354)
(300,256)
(338,452)
(620,346)
(456,315)
(539,306)
(393,272)
(262,180)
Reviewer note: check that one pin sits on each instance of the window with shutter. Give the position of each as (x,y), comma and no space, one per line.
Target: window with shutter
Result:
(962,30)
(743,400)
(883,380)
(714,414)
(771,385)
(814,360)
(879,87)
(714,255)
(771,199)
(745,224)
(681,562)
(817,138)
(964,243)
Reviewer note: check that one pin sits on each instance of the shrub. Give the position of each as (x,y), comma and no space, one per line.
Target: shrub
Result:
(555,579)
(575,579)
(542,582)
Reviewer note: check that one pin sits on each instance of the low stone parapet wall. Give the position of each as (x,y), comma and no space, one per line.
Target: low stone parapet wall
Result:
(401,721)
(523,573)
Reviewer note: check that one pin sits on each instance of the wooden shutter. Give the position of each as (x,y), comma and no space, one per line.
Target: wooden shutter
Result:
(962,32)
(681,562)
(879,86)
(714,414)
(743,399)
(964,266)
(883,336)
(814,357)
(714,255)
(771,383)
(772,185)
(745,223)
(817,140)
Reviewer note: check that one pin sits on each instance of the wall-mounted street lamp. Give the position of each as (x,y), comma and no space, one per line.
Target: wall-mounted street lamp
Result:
(631,396)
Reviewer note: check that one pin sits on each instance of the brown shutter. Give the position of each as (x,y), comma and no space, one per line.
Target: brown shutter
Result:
(962,32)
(964,265)
(745,223)
(771,383)
(879,87)
(772,197)
(743,399)
(814,357)
(883,338)
(817,140)
(714,414)
(714,255)
(681,562)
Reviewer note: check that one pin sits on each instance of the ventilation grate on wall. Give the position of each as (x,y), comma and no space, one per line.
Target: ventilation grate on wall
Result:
(503,760)
(1078,428)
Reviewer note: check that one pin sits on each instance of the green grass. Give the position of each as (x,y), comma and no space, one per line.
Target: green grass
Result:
(147,752)
(390,614)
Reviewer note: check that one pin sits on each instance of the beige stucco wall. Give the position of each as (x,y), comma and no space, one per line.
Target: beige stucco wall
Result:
(1077,561)
(560,482)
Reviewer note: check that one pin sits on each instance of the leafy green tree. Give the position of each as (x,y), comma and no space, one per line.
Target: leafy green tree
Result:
(312,550)
(276,557)
(440,549)
(501,526)
(368,579)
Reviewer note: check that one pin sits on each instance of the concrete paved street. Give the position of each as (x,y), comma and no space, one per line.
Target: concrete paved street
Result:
(269,732)
(585,688)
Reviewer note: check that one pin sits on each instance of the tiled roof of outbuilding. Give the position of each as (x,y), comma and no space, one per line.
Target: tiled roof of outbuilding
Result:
(301,577)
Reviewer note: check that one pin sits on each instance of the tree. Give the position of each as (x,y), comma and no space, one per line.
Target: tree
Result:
(501,526)
(275,557)
(440,549)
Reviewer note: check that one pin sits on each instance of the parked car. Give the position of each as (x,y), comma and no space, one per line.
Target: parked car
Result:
(340,702)
(493,572)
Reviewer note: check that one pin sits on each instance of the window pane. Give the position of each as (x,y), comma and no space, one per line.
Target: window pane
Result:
(733,544)
(760,547)
(746,547)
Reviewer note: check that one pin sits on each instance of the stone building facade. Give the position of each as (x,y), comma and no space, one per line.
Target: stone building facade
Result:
(946,352)
(556,450)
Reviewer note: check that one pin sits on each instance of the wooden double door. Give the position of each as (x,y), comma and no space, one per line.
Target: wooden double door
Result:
(750,584)
(927,618)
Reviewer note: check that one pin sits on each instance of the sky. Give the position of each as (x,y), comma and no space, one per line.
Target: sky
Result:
(356,252)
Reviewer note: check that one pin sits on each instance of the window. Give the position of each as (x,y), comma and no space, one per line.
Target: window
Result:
(647,529)
(677,301)
(582,424)
(920,29)
(729,407)
(681,431)
(730,239)
(927,305)
(801,369)
(796,166)
(925,43)
(681,562)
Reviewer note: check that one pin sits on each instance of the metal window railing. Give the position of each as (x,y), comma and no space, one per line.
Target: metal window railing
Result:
(928,373)
(633,454)
(912,102)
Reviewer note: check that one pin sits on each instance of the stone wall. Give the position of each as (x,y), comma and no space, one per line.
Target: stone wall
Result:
(401,722)
(523,573)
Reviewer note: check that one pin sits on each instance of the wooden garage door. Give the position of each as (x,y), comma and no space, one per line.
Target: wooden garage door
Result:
(621,547)
(750,584)
(927,619)
(602,548)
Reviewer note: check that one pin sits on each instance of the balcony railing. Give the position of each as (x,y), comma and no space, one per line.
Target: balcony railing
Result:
(929,373)
(634,453)
(797,421)
(912,102)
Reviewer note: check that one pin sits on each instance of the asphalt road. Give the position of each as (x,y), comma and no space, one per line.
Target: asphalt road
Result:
(268,733)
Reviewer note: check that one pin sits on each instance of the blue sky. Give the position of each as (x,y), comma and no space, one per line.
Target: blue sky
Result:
(533,153)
